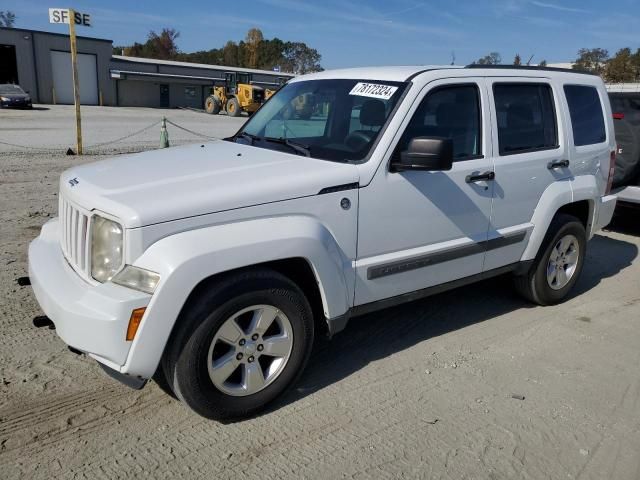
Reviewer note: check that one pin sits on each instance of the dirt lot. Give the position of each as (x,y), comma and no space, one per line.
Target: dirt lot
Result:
(423,390)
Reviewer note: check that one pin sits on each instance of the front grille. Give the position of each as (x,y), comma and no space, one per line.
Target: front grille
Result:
(74,237)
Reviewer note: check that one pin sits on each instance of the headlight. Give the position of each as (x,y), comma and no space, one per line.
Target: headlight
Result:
(137,278)
(4,99)
(106,248)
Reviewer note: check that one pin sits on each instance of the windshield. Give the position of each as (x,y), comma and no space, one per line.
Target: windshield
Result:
(337,120)
(8,88)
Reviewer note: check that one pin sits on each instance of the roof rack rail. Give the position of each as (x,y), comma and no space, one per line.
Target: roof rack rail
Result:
(530,67)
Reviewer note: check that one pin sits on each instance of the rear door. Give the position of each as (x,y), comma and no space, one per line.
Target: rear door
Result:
(590,148)
(529,155)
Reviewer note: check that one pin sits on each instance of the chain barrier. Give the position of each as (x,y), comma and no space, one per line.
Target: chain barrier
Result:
(38,149)
(110,142)
(138,132)
(198,134)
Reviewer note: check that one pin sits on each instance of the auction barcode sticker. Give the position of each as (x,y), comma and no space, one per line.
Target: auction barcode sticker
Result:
(373,90)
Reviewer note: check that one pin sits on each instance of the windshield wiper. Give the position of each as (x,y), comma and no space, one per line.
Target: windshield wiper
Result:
(298,147)
(247,136)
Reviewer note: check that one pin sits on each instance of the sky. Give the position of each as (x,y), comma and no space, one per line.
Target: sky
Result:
(360,33)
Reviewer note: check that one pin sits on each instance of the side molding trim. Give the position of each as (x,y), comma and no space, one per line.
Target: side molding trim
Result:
(422,261)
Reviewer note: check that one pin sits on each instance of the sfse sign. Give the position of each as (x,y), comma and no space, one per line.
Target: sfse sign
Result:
(61,15)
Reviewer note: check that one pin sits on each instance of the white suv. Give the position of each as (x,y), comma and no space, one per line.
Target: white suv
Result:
(211,267)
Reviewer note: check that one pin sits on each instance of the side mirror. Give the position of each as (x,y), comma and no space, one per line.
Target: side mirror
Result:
(426,153)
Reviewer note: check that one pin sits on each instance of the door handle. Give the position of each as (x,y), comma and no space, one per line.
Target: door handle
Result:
(558,164)
(477,177)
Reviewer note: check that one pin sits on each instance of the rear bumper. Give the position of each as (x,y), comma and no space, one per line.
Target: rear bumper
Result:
(89,318)
(604,211)
(629,195)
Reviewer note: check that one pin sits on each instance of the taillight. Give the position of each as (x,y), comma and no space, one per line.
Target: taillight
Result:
(618,116)
(612,169)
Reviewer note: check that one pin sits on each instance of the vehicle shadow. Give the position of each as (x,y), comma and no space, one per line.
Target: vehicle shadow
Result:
(381,334)
(625,220)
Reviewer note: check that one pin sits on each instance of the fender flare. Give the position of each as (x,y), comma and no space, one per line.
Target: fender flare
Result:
(556,196)
(185,259)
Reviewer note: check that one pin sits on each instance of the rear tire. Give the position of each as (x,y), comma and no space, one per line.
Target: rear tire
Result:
(233,107)
(558,264)
(212,105)
(200,345)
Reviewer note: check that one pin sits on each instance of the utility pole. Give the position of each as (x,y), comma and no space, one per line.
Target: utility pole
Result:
(76,84)
(70,16)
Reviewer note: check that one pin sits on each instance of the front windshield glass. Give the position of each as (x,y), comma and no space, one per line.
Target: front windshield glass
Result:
(9,88)
(337,120)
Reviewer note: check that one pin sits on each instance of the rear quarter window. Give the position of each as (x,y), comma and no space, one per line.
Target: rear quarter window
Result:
(587,118)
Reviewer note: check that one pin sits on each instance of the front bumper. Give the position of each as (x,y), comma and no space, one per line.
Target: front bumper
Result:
(89,318)
(15,104)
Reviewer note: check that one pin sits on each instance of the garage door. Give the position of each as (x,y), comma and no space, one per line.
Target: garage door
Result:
(63,80)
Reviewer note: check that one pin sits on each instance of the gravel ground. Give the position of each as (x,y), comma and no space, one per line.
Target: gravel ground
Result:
(420,391)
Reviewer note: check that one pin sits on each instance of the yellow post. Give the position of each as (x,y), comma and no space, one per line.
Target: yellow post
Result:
(76,86)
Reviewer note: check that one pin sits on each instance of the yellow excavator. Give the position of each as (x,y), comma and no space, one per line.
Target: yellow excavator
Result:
(269,92)
(237,95)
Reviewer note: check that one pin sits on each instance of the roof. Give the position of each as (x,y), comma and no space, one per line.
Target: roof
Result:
(623,87)
(118,74)
(529,68)
(205,66)
(406,73)
(55,34)
(390,74)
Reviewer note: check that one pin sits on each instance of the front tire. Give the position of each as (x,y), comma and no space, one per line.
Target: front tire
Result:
(558,264)
(233,107)
(240,344)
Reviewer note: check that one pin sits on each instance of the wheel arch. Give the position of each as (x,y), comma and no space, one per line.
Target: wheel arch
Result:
(575,197)
(298,247)
(297,269)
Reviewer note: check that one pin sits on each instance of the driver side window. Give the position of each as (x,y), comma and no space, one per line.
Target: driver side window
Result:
(448,112)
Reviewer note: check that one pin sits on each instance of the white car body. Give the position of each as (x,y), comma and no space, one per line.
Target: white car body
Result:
(193,212)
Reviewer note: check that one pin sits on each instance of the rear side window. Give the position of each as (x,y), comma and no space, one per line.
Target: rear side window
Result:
(587,120)
(526,117)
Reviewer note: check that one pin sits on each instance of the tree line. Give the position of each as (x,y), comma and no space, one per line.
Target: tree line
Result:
(494,58)
(7,18)
(624,66)
(253,52)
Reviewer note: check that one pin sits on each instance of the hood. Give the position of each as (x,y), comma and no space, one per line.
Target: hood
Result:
(15,96)
(173,183)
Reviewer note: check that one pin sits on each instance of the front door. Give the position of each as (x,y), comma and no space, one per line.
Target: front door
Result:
(164,96)
(417,229)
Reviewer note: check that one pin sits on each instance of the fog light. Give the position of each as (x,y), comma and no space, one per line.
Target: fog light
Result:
(134,322)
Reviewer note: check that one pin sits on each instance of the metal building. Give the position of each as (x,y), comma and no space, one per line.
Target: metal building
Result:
(40,62)
(163,83)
